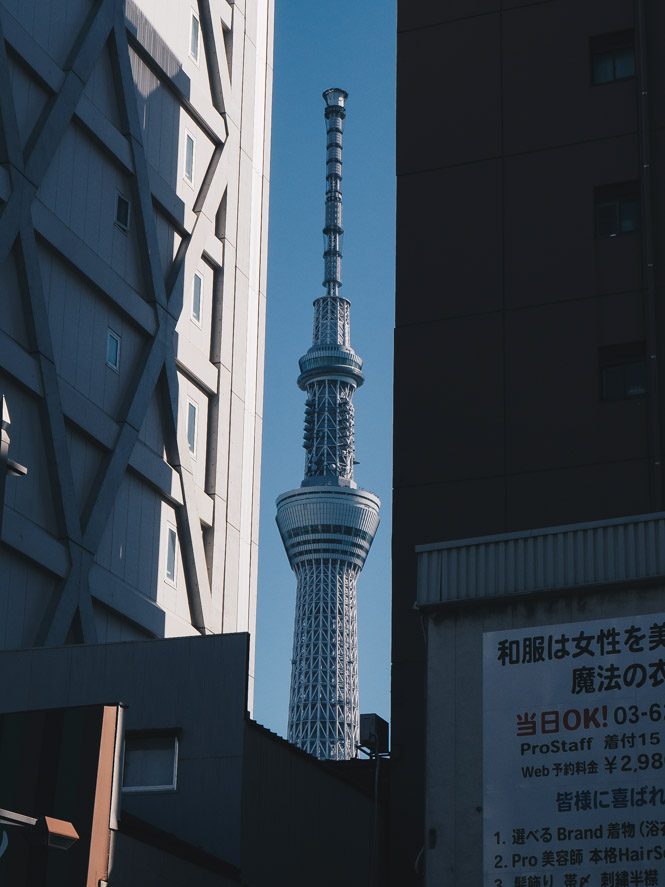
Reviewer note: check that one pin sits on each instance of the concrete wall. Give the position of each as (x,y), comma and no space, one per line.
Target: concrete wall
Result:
(454,758)
(137,862)
(165,684)
(303,823)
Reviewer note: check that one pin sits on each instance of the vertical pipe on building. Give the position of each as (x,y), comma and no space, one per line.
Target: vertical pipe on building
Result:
(653,371)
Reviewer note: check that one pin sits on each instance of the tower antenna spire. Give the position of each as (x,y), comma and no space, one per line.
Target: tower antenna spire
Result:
(328,524)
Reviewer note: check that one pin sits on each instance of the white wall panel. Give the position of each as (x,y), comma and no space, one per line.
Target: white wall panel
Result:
(198,333)
(189,392)
(202,156)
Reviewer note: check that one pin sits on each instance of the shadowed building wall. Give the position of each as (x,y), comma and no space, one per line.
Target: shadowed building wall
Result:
(528,385)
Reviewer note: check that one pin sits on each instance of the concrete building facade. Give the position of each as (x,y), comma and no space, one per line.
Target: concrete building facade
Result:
(202,795)
(528,377)
(133,234)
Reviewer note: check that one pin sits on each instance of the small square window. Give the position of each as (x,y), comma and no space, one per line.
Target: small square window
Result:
(189,157)
(617,209)
(194,37)
(197,296)
(150,762)
(171,552)
(623,374)
(192,411)
(121,212)
(113,350)
(612,57)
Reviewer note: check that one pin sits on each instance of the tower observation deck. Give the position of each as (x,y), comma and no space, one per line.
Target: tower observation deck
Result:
(327,525)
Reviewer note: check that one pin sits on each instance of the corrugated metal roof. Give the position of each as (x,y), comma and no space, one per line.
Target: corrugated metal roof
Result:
(574,556)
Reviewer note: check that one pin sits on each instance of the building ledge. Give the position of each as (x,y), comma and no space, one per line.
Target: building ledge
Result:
(575,556)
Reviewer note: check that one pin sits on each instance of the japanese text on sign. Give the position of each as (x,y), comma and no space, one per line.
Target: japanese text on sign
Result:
(574,755)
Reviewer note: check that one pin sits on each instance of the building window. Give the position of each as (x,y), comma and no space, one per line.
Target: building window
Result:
(617,209)
(192,411)
(113,350)
(194,37)
(121,212)
(612,57)
(150,762)
(189,157)
(171,552)
(197,295)
(623,373)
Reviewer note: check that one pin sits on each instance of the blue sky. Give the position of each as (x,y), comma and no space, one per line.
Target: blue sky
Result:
(350,45)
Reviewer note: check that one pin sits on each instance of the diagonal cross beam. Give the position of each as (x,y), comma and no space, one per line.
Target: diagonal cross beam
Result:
(159,361)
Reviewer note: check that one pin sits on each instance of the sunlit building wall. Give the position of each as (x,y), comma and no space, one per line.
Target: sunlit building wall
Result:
(133,235)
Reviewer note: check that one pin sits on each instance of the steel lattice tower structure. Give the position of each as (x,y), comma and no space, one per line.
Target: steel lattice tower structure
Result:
(328,523)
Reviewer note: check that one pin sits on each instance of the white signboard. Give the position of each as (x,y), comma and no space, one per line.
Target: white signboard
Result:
(574,755)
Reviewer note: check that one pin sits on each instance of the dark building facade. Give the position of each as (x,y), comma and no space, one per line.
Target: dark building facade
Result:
(196,791)
(529,317)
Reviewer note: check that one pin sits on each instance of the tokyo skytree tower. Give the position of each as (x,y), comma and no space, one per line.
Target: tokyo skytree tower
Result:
(327,525)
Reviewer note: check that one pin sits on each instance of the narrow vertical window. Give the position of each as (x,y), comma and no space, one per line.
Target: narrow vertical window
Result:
(194,35)
(171,550)
(113,350)
(191,426)
(189,157)
(197,292)
(121,212)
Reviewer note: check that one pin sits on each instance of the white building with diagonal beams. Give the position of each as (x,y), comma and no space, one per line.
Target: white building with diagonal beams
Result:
(133,231)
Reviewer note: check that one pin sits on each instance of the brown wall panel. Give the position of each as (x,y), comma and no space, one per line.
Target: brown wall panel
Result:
(504,297)
(451,510)
(550,246)
(654,19)
(449,400)
(594,9)
(448,101)
(449,242)
(424,13)
(548,97)
(657,177)
(554,414)
(575,495)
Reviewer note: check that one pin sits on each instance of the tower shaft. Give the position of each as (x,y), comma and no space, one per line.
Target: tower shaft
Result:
(328,524)
(323,708)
